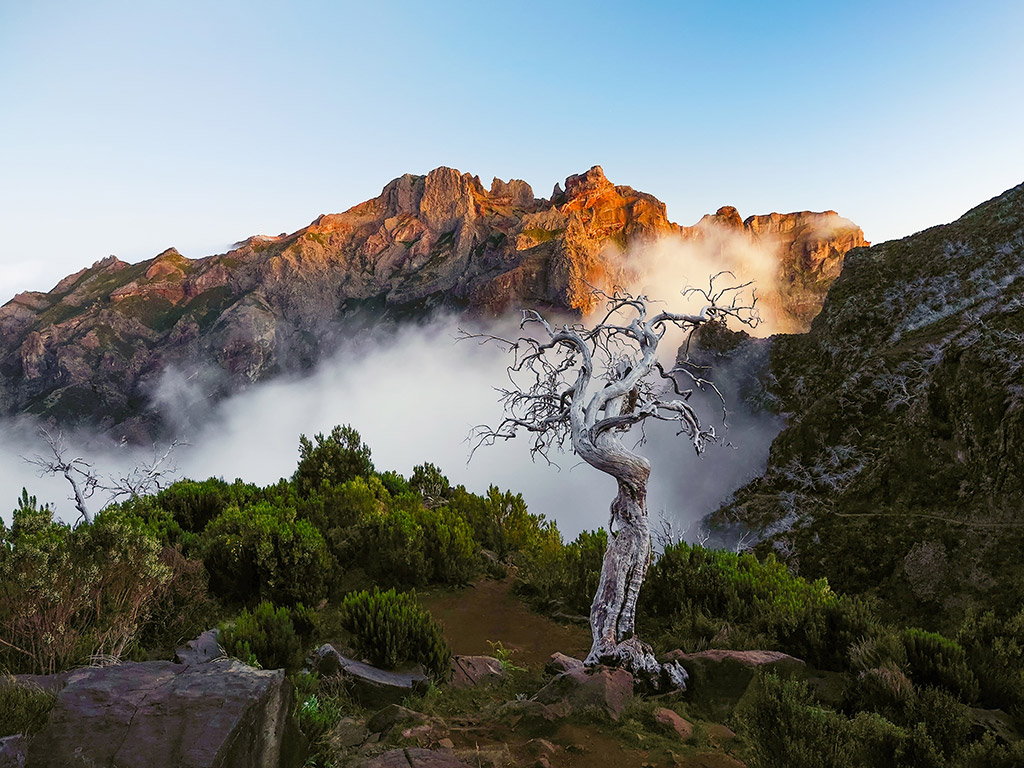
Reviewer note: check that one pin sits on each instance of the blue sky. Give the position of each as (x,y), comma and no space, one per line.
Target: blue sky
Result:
(129,127)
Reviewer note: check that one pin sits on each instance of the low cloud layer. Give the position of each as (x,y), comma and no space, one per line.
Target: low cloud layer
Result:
(413,399)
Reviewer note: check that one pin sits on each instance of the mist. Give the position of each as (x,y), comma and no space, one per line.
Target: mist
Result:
(413,398)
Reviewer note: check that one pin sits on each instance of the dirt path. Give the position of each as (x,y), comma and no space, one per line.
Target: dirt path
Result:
(488,611)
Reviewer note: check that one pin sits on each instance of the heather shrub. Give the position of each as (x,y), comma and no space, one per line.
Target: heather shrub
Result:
(266,552)
(182,607)
(273,637)
(994,647)
(390,628)
(24,707)
(448,545)
(331,460)
(68,594)
(936,660)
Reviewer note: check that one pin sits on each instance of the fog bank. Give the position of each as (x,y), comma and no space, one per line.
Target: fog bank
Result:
(413,398)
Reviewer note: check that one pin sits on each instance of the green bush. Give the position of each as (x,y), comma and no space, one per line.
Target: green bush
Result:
(67,594)
(182,607)
(785,728)
(23,707)
(995,652)
(266,552)
(747,601)
(936,660)
(332,460)
(563,577)
(390,628)
(273,637)
(448,546)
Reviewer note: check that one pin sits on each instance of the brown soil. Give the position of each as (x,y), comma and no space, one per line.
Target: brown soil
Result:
(488,612)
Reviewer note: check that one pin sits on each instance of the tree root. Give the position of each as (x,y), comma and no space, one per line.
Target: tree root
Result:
(637,657)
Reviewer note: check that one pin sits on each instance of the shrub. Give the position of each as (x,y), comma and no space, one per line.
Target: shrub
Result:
(265,552)
(67,594)
(430,483)
(995,652)
(785,728)
(182,607)
(194,504)
(271,636)
(23,707)
(760,600)
(333,460)
(936,660)
(448,546)
(390,628)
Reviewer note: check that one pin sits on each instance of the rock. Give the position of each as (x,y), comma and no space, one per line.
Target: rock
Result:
(559,663)
(541,747)
(720,678)
(604,688)
(12,751)
(414,757)
(996,722)
(392,715)
(472,671)
(672,720)
(529,713)
(203,649)
(721,733)
(373,687)
(348,733)
(165,715)
(487,757)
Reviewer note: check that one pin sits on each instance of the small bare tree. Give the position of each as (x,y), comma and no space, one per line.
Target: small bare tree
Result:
(589,386)
(85,481)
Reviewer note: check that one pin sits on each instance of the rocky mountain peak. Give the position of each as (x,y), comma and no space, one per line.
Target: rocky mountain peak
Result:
(100,341)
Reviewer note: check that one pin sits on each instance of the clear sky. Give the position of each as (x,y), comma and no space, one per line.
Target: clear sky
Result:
(128,127)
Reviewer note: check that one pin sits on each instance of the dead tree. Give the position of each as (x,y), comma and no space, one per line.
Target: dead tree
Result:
(588,386)
(85,481)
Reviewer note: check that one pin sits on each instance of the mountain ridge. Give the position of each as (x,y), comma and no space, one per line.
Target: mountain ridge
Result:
(92,349)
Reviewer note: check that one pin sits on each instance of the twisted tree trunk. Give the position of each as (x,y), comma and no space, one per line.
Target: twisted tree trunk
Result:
(613,612)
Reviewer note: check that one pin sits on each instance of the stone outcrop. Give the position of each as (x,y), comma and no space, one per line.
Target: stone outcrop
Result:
(414,757)
(473,671)
(154,714)
(608,689)
(369,685)
(97,348)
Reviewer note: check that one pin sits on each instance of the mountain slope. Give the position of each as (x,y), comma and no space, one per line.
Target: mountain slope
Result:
(95,349)
(901,472)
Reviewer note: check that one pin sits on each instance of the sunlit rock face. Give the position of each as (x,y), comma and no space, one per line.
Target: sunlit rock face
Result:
(95,348)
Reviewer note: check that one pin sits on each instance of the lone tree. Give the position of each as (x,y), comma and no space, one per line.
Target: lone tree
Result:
(589,386)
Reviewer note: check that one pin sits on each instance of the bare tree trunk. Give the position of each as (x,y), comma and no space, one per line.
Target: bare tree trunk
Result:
(613,612)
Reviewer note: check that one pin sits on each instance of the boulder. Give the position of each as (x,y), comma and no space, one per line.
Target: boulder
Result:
(12,751)
(995,722)
(164,715)
(414,757)
(719,678)
(674,722)
(201,650)
(393,715)
(348,733)
(471,671)
(559,663)
(607,689)
(371,686)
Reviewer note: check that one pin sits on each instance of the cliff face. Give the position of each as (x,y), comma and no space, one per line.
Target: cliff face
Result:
(94,348)
(905,442)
